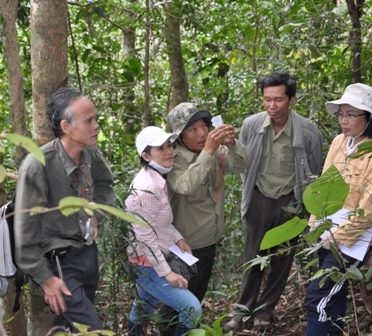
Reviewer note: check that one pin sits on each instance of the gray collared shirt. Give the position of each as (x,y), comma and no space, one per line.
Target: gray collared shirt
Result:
(45,186)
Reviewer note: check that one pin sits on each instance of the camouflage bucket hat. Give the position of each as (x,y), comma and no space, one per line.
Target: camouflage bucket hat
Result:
(186,114)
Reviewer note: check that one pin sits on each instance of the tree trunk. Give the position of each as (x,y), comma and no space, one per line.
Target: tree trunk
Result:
(355,12)
(9,8)
(172,34)
(146,69)
(40,316)
(11,47)
(49,21)
(49,32)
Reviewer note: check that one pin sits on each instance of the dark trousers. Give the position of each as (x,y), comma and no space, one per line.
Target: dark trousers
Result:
(81,275)
(198,285)
(326,304)
(264,214)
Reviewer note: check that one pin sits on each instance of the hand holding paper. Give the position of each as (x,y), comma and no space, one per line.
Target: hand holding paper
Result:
(188,258)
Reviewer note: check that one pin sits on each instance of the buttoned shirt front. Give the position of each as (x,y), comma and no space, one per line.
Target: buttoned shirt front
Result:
(276,172)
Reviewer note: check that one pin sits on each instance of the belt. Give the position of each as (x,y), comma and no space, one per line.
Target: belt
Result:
(58,252)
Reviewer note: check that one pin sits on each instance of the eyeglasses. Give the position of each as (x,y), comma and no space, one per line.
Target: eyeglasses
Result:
(348,116)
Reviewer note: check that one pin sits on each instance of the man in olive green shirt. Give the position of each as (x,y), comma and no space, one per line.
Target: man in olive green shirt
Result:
(196,183)
(59,252)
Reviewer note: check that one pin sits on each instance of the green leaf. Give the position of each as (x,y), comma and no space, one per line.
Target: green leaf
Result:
(120,214)
(313,235)
(72,204)
(134,65)
(80,327)
(283,233)
(2,173)
(327,194)
(27,144)
(197,332)
(354,273)
(363,148)
(369,274)
(37,209)
(311,263)
(335,253)
(217,323)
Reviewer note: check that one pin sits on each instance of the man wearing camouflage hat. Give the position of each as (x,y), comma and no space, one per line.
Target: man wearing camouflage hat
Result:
(195,184)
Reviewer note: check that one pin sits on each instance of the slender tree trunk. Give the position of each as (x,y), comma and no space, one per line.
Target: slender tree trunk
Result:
(9,8)
(146,68)
(172,34)
(355,12)
(11,47)
(49,33)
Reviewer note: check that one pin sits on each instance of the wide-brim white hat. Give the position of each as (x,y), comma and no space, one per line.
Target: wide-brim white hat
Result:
(357,95)
(153,136)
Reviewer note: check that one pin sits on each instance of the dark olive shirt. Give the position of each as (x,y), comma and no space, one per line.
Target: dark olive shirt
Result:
(45,186)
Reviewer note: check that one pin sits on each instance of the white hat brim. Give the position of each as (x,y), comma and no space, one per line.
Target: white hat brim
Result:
(334,105)
(162,138)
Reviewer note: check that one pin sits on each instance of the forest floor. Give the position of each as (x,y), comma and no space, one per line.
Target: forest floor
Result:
(289,318)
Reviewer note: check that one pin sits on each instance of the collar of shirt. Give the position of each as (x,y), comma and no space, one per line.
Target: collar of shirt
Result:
(69,164)
(159,179)
(188,155)
(287,129)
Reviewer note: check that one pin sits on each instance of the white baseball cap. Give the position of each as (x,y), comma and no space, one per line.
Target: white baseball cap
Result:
(153,136)
(357,95)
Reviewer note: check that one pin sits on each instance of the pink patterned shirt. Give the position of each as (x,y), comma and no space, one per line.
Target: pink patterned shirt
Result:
(149,201)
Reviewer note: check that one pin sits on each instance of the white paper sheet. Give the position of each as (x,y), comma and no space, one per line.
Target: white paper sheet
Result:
(359,249)
(217,121)
(188,258)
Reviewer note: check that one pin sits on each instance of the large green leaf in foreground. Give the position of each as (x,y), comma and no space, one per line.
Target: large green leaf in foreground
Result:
(27,144)
(72,204)
(283,233)
(327,194)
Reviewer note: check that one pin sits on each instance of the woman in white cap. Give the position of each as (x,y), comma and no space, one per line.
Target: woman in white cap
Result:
(149,201)
(326,303)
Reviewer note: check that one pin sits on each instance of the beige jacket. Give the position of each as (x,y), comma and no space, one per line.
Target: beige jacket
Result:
(358,174)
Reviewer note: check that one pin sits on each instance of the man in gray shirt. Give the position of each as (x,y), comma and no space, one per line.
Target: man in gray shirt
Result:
(284,150)
(59,252)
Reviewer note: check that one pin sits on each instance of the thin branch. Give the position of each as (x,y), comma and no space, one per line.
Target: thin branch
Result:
(75,52)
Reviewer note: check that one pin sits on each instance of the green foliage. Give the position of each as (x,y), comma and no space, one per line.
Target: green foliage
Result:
(224,60)
(70,205)
(83,331)
(283,233)
(24,142)
(327,194)
(215,330)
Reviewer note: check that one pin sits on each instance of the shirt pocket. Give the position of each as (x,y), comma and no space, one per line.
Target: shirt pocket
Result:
(286,159)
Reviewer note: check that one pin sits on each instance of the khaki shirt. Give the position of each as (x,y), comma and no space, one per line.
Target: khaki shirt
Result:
(196,191)
(276,172)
